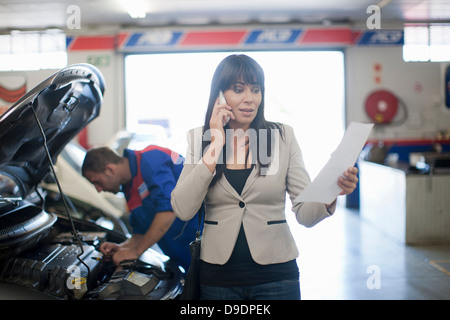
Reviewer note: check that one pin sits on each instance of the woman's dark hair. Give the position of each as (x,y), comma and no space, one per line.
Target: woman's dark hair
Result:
(239,68)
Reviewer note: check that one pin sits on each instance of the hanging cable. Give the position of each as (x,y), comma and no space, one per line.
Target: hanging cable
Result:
(75,232)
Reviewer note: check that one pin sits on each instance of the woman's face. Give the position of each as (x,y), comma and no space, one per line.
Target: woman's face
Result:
(244,100)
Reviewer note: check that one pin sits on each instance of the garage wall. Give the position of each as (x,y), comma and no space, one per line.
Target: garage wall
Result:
(418,84)
(112,113)
(98,50)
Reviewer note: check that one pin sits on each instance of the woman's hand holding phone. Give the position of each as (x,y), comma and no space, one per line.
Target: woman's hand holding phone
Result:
(219,118)
(221,114)
(222,100)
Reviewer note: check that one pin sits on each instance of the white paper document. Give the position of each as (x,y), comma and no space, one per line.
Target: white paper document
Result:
(324,188)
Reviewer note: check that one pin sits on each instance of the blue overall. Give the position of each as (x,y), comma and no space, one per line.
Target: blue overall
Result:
(155,172)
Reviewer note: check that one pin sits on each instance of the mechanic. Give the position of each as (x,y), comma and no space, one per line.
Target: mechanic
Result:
(147,178)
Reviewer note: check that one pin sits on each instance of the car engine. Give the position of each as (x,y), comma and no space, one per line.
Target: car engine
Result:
(62,266)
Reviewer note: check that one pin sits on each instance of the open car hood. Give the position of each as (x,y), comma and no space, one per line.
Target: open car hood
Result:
(64,104)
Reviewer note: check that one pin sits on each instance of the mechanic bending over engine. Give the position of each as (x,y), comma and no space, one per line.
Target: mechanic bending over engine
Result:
(147,178)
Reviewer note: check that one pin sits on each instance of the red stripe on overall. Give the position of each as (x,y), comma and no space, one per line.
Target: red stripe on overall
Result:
(139,190)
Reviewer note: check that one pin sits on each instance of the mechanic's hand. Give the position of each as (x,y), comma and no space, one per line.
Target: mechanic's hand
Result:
(125,254)
(108,249)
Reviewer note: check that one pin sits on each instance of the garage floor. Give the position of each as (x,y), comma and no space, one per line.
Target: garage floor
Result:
(346,258)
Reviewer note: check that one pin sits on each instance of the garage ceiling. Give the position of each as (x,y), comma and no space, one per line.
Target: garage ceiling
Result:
(33,14)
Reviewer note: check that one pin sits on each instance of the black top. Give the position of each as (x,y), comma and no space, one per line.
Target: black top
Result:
(241,269)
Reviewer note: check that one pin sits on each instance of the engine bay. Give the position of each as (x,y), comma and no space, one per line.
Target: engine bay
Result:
(62,266)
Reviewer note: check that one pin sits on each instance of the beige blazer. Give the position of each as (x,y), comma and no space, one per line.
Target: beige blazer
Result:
(260,207)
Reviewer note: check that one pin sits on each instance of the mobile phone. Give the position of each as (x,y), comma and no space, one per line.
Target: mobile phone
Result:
(222,98)
(223,101)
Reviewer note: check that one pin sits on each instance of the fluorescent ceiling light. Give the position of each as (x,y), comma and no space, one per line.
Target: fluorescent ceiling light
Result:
(135,8)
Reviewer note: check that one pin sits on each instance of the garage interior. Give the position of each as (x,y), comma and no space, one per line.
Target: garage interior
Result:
(390,239)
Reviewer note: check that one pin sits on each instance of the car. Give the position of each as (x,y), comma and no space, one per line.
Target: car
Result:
(49,241)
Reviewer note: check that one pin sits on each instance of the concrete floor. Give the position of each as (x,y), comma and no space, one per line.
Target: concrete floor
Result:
(345,258)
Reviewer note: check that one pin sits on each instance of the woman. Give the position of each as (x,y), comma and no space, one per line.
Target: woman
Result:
(241,166)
